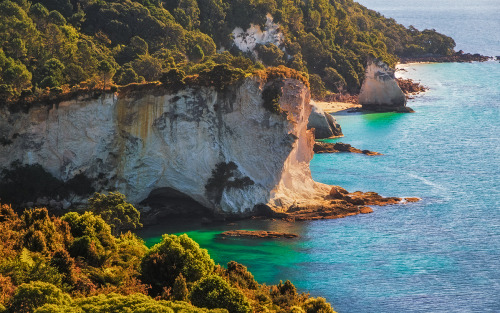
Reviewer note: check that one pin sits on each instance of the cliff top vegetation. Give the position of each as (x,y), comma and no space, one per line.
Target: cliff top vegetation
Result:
(51,46)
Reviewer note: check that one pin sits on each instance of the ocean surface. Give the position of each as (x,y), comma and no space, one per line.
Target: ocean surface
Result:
(439,255)
(474,24)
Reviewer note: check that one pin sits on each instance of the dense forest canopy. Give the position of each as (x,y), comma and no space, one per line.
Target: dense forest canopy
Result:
(57,44)
(86,262)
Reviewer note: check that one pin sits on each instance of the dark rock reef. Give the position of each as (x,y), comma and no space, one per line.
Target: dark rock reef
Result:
(329,147)
(256,234)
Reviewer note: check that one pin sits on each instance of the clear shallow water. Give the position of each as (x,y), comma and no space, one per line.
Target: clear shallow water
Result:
(473,24)
(439,255)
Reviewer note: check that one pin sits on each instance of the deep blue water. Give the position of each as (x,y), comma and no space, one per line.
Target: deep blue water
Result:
(474,24)
(439,255)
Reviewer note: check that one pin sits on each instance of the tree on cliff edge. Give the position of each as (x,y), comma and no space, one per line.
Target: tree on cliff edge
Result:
(106,71)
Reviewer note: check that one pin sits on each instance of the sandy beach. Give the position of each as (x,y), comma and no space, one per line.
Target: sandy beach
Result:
(333,107)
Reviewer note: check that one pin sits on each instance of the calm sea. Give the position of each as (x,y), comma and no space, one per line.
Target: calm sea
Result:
(474,24)
(439,255)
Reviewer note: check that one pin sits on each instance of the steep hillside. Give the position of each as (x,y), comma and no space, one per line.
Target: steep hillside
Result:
(58,44)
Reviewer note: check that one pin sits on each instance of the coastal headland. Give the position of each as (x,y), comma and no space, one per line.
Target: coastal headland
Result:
(184,147)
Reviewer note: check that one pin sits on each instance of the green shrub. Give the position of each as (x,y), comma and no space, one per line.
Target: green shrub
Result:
(43,233)
(93,239)
(116,211)
(239,276)
(91,225)
(284,294)
(130,251)
(180,290)
(32,295)
(112,303)
(271,96)
(173,256)
(115,303)
(317,305)
(89,249)
(270,54)
(54,308)
(196,54)
(318,90)
(220,77)
(65,265)
(173,79)
(26,267)
(214,292)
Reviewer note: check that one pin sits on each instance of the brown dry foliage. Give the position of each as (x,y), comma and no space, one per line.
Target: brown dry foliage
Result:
(281,72)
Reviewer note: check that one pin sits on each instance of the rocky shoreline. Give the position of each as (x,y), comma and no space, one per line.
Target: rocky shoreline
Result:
(329,147)
(459,56)
(410,87)
(338,204)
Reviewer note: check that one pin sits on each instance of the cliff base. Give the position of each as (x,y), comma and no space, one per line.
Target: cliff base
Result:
(337,204)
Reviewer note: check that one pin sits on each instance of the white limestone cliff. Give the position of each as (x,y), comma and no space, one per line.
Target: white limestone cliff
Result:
(247,40)
(380,90)
(143,141)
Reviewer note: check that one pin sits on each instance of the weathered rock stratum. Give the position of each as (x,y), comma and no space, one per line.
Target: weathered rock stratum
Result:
(223,150)
(380,91)
(324,124)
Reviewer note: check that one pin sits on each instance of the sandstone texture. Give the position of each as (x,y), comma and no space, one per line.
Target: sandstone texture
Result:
(329,147)
(257,234)
(324,124)
(380,91)
(223,150)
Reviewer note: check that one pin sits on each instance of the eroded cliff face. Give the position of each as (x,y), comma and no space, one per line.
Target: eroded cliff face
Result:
(222,149)
(380,90)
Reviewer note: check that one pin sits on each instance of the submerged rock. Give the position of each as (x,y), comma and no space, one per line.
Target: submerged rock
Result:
(257,234)
(380,91)
(324,124)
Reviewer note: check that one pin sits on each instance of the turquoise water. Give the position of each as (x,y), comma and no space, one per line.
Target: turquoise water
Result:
(473,24)
(439,255)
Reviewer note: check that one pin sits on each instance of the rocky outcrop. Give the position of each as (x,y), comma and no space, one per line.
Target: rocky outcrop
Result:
(247,40)
(340,203)
(380,91)
(324,124)
(410,87)
(330,147)
(261,234)
(223,150)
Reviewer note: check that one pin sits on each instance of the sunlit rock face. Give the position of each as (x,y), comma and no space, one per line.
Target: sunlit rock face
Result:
(324,124)
(380,91)
(222,149)
(247,40)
